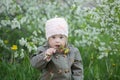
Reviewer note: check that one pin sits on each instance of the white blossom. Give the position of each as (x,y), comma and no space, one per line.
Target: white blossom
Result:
(103,54)
(23,20)
(16,54)
(15,24)
(22,41)
(29,48)
(22,53)
(35,33)
(102,43)
(5,22)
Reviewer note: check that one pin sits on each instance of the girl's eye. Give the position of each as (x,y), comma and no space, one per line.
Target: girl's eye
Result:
(53,37)
(61,37)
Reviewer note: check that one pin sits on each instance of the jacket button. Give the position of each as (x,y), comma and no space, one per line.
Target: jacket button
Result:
(64,56)
(56,57)
(59,71)
(66,71)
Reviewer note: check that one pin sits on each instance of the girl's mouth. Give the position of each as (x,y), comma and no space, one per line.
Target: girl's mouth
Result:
(57,46)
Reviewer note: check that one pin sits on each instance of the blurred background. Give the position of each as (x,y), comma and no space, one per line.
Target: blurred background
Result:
(94,27)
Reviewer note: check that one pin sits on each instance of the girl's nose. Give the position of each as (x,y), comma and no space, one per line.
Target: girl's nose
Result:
(57,40)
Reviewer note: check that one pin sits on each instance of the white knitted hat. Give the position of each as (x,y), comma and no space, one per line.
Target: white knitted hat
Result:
(56,26)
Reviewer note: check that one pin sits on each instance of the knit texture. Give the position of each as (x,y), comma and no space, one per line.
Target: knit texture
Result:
(56,26)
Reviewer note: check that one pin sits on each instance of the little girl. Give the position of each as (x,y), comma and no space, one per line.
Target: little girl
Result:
(58,60)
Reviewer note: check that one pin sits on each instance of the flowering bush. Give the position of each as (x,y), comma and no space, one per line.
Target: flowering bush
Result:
(96,34)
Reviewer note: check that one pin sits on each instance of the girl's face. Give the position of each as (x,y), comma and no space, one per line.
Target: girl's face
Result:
(56,41)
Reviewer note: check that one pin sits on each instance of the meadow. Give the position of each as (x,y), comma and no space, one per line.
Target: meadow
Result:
(94,30)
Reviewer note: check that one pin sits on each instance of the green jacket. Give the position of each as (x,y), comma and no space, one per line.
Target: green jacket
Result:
(60,67)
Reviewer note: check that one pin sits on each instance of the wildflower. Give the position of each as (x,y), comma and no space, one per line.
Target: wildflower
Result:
(66,50)
(16,54)
(113,64)
(15,24)
(6,41)
(63,50)
(14,47)
(22,53)
(22,41)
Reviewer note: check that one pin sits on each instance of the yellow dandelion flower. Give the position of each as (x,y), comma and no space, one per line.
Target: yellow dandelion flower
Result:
(66,51)
(14,47)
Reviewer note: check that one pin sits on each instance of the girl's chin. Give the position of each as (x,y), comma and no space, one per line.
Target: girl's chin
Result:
(56,47)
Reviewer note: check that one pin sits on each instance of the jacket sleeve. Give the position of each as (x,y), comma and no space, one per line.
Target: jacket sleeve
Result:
(77,67)
(38,60)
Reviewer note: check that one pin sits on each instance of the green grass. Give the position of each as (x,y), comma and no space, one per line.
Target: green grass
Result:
(18,71)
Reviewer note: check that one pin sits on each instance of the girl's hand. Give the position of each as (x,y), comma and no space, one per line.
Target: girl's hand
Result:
(48,53)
